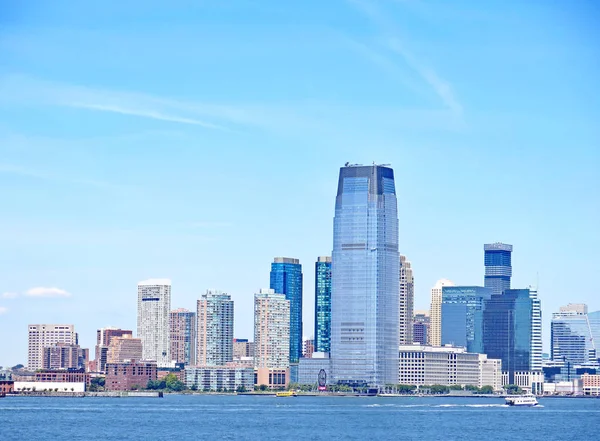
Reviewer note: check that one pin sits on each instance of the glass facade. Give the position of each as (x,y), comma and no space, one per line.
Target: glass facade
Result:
(512,331)
(322,305)
(462,316)
(286,278)
(498,267)
(365,278)
(574,336)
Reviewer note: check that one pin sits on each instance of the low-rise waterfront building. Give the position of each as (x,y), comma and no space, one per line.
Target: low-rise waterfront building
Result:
(529,381)
(446,365)
(130,375)
(48,386)
(590,384)
(62,376)
(6,387)
(220,378)
(309,368)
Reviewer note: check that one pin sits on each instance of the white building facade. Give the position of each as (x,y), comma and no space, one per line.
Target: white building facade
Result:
(435,312)
(215,329)
(154,305)
(219,378)
(407,296)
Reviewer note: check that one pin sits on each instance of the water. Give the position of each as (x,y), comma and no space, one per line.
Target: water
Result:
(178,417)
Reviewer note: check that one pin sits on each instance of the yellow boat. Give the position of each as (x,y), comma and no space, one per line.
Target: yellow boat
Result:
(287,393)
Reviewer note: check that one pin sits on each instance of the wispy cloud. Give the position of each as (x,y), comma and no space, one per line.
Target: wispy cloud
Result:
(47,292)
(10,295)
(3,310)
(442,88)
(36,174)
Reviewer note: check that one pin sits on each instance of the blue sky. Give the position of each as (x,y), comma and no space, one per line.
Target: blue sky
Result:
(198,140)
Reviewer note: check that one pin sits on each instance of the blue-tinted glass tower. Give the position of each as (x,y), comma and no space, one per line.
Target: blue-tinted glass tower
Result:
(573,333)
(462,316)
(323,304)
(364,278)
(498,269)
(286,278)
(512,331)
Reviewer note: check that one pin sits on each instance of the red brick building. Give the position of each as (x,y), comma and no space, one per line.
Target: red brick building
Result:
(63,376)
(6,387)
(126,376)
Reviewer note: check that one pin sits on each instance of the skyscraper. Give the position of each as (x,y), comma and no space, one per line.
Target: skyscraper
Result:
(406,306)
(45,336)
(575,334)
(365,277)
(215,329)
(435,327)
(322,340)
(286,278)
(154,304)
(182,336)
(421,327)
(103,339)
(512,331)
(498,269)
(271,338)
(462,316)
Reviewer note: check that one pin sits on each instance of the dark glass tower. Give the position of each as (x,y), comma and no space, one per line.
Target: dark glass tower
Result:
(323,304)
(365,278)
(462,316)
(286,278)
(512,331)
(498,268)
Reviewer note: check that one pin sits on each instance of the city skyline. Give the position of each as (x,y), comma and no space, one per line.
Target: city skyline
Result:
(233,128)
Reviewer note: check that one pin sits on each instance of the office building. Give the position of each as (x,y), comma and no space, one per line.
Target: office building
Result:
(406,305)
(309,369)
(271,338)
(323,304)
(590,384)
(123,349)
(447,366)
(365,277)
(435,327)
(286,278)
(308,347)
(575,334)
(154,305)
(498,267)
(421,327)
(512,331)
(182,336)
(220,378)
(242,348)
(44,336)
(61,356)
(215,329)
(103,338)
(462,316)
(129,375)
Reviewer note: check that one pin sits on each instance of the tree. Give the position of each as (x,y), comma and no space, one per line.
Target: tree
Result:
(172,383)
(438,389)
(194,387)
(18,366)
(513,389)
(486,390)
(240,389)
(262,387)
(455,387)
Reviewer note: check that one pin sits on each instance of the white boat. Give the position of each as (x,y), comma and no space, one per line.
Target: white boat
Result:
(522,400)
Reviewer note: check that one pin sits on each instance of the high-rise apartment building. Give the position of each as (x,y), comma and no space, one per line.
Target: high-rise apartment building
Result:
(103,338)
(462,316)
(498,267)
(365,277)
(435,328)
(154,304)
(308,347)
(323,304)
(215,329)
(182,336)
(406,306)
(271,337)
(575,335)
(421,327)
(286,278)
(242,348)
(44,336)
(124,349)
(512,331)
(61,356)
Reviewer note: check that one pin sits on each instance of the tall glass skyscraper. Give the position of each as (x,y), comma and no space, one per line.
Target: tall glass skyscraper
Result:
(322,304)
(498,269)
(512,331)
(462,316)
(286,278)
(575,334)
(365,277)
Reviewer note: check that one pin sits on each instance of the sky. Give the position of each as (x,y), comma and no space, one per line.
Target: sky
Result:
(197,140)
